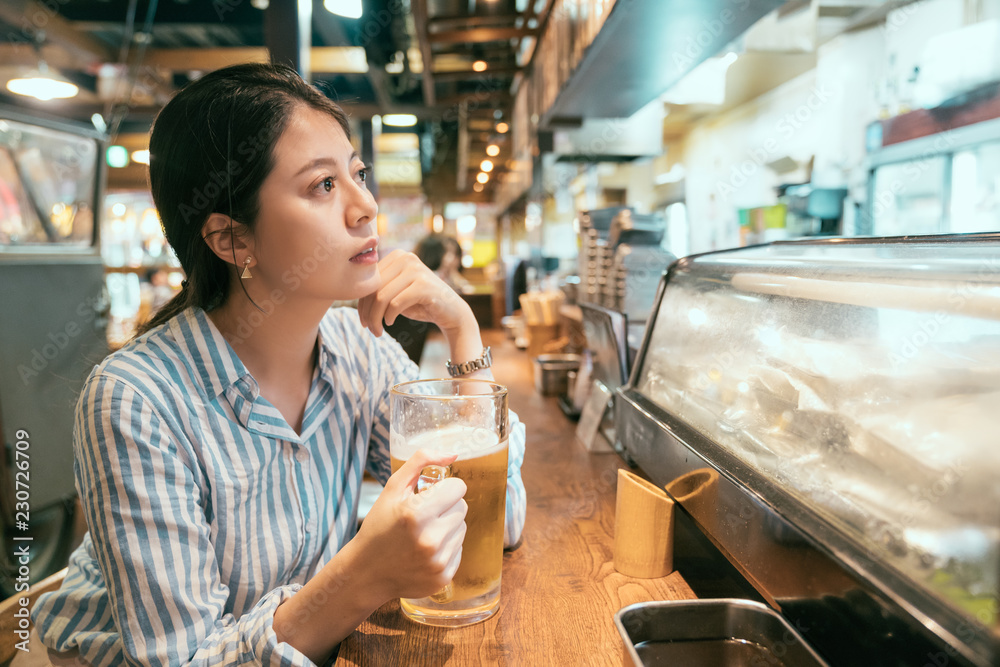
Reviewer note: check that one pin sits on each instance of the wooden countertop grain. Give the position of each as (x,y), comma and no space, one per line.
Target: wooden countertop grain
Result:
(560,590)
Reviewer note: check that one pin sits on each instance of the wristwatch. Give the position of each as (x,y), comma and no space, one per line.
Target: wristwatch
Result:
(467,367)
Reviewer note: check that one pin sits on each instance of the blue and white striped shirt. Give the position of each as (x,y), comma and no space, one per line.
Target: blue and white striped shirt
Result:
(206,510)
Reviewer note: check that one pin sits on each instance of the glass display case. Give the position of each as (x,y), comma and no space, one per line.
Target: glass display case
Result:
(48,186)
(846,392)
(55,310)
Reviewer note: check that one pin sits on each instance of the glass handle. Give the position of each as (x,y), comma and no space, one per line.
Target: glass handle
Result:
(431,475)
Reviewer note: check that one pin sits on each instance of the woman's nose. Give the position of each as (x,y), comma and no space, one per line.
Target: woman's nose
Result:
(361,208)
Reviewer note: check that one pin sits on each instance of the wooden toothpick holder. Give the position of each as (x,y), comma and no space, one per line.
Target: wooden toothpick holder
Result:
(644,528)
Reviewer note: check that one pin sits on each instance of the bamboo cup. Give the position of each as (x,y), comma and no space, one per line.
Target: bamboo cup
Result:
(698,493)
(644,528)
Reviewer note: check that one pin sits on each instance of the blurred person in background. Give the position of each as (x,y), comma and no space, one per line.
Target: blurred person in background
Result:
(443,255)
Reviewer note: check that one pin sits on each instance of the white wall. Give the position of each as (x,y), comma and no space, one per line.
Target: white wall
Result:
(822,114)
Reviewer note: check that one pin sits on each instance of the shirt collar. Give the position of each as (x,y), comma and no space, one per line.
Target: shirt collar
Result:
(217,365)
(221,372)
(328,352)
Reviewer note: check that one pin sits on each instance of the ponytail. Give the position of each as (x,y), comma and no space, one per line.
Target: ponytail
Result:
(177,305)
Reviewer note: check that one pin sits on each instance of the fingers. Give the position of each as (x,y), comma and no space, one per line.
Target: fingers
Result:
(456,508)
(388,269)
(441,499)
(454,547)
(380,300)
(404,481)
(398,270)
(409,296)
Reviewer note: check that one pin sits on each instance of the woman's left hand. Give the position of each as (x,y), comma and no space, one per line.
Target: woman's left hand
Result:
(411,289)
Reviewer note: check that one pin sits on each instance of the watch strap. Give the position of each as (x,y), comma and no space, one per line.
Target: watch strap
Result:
(466,367)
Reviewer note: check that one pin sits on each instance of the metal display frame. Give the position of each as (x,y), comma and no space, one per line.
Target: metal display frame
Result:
(754,520)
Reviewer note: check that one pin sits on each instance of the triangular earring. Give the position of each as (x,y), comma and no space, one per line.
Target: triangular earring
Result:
(246,269)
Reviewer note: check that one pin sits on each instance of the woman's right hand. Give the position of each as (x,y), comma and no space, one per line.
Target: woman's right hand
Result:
(413,542)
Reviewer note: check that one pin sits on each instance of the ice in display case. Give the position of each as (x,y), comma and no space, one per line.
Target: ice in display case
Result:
(842,396)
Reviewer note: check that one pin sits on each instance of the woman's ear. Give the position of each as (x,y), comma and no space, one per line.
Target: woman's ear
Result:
(227,238)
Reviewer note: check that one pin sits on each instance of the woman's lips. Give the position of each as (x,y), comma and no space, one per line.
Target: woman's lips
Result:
(367,257)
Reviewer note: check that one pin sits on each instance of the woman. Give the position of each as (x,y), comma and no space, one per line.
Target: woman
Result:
(220,453)
(443,255)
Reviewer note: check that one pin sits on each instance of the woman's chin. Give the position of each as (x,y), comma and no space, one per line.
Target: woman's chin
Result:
(362,288)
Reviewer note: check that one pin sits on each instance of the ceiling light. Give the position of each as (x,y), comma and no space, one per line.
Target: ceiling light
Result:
(493,150)
(478,187)
(399,119)
(99,124)
(142,157)
(486,165)
(465,225)
(502,128)
(43,84)
(479,66)
(483,177)
(350,9)
(116,156)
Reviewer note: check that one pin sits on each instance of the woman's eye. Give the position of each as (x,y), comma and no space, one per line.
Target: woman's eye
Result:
(326,184)
(363,174)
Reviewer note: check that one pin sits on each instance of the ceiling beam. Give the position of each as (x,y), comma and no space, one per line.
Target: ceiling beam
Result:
(419,9)
(86,52)
(57,30)
(459,22)
(463,75)
(322,59)
(480,35)
(332,32)
(529,13)
(145,114)
(476,99)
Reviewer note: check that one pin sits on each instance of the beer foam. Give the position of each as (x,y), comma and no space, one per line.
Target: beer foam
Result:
(466,441)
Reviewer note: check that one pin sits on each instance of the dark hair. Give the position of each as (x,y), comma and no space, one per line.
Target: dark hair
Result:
(210,150)
(431,250)
(456,248)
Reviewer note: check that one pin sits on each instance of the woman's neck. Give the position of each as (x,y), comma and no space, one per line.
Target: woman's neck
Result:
(277,345)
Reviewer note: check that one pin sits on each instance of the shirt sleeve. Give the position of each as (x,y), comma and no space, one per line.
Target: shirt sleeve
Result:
(516,496)
(152,542)
(392,366)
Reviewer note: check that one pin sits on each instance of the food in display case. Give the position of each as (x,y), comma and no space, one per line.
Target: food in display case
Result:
(861,379)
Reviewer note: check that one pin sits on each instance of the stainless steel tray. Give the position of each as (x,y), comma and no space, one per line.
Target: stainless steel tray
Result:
(706,633)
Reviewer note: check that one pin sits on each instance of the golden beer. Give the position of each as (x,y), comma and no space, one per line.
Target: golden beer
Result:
(474,593)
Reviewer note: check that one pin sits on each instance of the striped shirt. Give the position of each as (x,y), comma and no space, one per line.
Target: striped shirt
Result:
(206,509)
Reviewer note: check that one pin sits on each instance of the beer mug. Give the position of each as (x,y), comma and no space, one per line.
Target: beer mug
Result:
(467,417)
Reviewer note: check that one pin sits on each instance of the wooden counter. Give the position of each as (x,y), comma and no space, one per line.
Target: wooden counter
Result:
(560,590)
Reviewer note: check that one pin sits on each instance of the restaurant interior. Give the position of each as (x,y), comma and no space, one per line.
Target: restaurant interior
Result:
(746,250)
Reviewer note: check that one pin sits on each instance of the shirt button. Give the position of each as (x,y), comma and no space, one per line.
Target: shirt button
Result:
(302,456)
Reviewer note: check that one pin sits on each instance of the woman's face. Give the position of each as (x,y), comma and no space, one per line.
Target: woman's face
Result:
(449,263)
(317,217)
